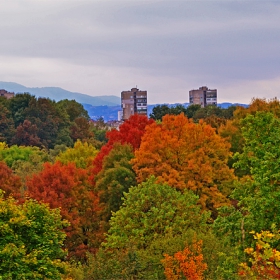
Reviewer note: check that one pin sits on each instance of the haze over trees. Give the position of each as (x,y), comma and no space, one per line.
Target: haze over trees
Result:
(192,193)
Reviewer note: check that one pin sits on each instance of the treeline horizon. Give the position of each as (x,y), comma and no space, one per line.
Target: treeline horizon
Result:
(188,193)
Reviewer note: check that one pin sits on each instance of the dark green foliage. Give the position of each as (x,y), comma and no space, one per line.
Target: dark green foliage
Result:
(111,265)
(28,121)
(211,110)
(4,101)
(162,110)
(7,126)
(191,110)
(115,178)
(47,118)
(159,111)
(99,130)
(208,111)
(177,110)
(73,109)
(17,106)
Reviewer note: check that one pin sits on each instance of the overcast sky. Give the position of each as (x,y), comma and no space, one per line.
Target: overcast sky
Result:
(164,47)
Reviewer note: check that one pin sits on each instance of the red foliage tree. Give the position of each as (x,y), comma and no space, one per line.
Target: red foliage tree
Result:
(9,182)
(27,135)
(67,187)
(130,132)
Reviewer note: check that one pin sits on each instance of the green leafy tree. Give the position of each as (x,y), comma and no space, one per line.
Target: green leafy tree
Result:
(191,110)
(154,219)
(24,161)
(257,195)
(159,111)
(208,111)
(228,113)
(99,129)
(261,155)
(31,240)
(43,113)
(115,178)
(4,101)
(178,109)
(63,137)
(43,122)
(145,263)
(59,148)
(7,128)
(18,104)
(82,154)
(77,122)
(73,109)
(151,210)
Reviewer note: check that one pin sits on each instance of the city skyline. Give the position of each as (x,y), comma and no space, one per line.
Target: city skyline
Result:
(165,47)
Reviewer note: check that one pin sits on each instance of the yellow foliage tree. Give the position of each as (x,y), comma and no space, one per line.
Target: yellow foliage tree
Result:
(82,154)
(264,258)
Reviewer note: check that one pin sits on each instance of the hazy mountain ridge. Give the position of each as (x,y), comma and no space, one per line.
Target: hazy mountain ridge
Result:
(110,113)
(57,94)
(106,107)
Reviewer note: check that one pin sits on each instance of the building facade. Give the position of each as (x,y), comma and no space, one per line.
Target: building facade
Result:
(6,94)
(203,96)
(133,101)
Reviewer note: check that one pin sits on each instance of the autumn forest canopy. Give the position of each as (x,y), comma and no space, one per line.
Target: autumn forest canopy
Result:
(188,193)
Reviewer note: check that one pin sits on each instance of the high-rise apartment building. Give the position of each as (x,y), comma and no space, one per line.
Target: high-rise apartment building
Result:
(133,101)
(203,96)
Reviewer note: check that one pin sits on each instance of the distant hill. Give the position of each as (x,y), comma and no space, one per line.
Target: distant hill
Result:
(109,113)
(57,94)
(97,106)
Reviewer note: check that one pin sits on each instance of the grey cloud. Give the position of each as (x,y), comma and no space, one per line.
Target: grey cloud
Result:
(212,41)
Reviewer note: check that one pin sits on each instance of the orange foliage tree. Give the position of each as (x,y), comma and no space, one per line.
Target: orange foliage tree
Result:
(257,105)
(186,155)
(188,263)
(67,187)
